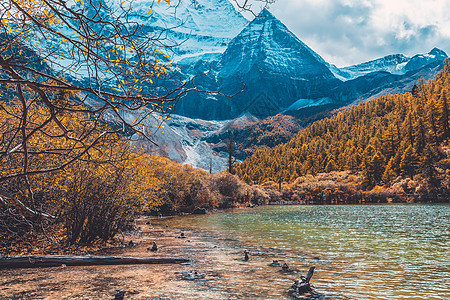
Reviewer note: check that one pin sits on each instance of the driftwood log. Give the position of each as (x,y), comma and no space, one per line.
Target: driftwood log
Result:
(119,295)
(302,286)
(58,260)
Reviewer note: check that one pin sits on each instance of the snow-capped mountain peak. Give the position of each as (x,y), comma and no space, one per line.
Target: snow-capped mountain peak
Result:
(420,60)
(266,39)
(397,64)
(276,66)
(438,53)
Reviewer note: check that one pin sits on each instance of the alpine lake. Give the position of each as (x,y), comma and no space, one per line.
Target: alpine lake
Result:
(392,251)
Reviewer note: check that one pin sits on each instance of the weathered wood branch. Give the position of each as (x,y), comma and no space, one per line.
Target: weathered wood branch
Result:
(58,260)
(310,274)
(302,286)
(6,198)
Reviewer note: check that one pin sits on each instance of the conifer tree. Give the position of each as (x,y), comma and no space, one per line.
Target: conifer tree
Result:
(408,127)
(444,113)
(390,140)
(331,166)
(427,166)
(389,172)
(432,119)
(377,163)
(419,135)
(409,162)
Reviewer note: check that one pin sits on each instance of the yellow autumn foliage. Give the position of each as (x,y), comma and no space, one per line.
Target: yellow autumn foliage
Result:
(97,192)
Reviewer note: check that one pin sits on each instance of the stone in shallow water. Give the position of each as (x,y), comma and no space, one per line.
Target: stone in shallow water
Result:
(192,275)
(275,263)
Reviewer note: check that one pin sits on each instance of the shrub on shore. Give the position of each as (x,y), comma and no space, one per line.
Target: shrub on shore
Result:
(93,200)
(346,187)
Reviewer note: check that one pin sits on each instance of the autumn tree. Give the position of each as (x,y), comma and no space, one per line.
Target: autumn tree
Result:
(443,119)
(104,67)
(389,172)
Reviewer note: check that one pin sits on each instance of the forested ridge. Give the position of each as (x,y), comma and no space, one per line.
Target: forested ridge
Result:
(265,133)
(391,136)
(258,135)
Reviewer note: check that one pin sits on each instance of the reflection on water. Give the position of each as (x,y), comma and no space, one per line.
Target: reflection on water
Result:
(361,252)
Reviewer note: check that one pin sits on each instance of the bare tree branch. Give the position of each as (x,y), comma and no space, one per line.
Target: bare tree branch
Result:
(248,5)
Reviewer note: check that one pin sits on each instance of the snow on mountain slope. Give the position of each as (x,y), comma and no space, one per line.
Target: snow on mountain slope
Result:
(193,27)
(186,28)
(397,64)
(267,41)
(216,18)
(275,67)
(393,64)
(420,60)
(303,103)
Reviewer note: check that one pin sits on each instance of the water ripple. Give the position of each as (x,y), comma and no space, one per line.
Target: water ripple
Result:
(365,252)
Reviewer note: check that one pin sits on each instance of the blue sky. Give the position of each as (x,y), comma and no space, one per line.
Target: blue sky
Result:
(346,32)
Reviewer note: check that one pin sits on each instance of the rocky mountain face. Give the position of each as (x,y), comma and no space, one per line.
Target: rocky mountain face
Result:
(376,84)
(272,66)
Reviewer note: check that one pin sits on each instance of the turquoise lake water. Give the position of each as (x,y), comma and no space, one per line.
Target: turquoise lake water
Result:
(360,251)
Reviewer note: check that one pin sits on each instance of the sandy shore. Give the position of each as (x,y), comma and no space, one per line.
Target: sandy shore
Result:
(221,270)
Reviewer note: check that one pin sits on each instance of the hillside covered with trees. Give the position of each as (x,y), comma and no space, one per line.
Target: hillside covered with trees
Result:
(402,135)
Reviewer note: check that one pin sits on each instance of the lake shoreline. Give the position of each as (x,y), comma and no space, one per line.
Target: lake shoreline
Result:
(212,273)
(101,282)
